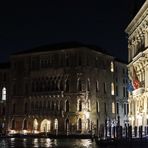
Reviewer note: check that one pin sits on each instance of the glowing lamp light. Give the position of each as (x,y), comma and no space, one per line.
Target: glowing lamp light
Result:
(86,114)
(12,132)
(24,132)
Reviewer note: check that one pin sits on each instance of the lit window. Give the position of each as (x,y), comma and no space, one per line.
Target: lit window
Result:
(112,67)
(113,107)
(55,124)
(4,93)
(88,105)
(112,89)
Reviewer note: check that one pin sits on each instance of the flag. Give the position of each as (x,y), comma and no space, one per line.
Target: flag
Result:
(130,87)
(136,82)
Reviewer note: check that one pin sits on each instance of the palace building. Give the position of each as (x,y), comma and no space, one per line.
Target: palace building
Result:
(137,32)
(62,89)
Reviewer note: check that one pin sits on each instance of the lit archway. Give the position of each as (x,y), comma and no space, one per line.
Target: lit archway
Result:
(35,124)
(45,126)
(56,124)
(67,126)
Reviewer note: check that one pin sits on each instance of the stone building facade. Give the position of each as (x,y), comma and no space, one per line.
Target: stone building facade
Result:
(137,32)
(62,90)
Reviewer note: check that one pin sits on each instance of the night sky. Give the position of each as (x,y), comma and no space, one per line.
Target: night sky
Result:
(25,25)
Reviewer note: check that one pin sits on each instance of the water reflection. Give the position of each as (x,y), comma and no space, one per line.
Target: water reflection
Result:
(86,143)
(46,142)
(35,142)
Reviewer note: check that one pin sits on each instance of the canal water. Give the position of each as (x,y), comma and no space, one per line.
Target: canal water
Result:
(46,142)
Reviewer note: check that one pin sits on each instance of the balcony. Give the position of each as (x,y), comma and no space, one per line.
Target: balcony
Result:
(138,91)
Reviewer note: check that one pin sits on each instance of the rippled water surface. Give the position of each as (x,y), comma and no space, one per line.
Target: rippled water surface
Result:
(46,142)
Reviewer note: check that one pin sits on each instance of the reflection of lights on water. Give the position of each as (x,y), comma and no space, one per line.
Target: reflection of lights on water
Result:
(12,139)
(55,142)
(86,143)
(35,142)
(24,132)
(48,142)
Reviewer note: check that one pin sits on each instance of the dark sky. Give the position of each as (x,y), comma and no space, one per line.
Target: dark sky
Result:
(24,25)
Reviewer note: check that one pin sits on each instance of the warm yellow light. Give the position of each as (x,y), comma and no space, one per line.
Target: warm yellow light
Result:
(86,114)
(12,132)
(24,132)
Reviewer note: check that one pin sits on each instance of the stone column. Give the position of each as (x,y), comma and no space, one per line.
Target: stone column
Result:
(146,38)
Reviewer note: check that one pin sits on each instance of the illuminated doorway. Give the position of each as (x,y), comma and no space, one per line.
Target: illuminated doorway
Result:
(35,126)
(45,126)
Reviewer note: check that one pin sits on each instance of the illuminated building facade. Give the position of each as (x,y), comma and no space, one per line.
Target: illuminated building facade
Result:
(62,90)
(137,32)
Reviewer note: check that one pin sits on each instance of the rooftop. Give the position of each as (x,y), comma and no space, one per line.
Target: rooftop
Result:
(60,46)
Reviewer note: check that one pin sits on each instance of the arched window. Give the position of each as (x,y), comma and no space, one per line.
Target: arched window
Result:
(56,124)
(88,85)
(4,94)
(80,124)
(57,105)
(88,124)
(79,105)
(61,105)
(67,85)
(25,124)
(79,85)
(67,125)
(61,85)
(112,89)
(67,106)
(113,107)
(52,105)
(35,124)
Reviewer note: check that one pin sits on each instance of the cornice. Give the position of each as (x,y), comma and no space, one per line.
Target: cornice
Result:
(140,16)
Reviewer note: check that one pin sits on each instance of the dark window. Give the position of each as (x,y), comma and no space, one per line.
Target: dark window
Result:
(67,106)
(124,109)
(25,125)
(13,110)
(104,87)
(117,108)
(79,85)
(104,107)
(88,85)
(80,124)
(80,105)
(116,90)
(67,85)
